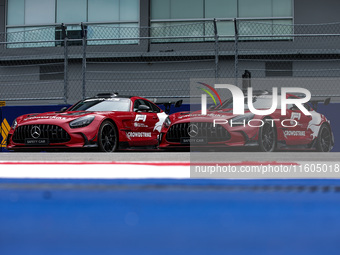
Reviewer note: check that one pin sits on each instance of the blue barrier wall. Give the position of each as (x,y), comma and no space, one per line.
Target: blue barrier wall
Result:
(9,113)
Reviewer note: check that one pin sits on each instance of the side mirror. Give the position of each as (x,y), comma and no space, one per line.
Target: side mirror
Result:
(143,108)
(63,109)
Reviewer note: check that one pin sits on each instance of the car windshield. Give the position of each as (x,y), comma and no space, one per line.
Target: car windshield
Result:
(259,102)
(103,104)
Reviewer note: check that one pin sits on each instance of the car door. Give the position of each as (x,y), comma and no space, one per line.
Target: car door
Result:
(142,131)
(300,134)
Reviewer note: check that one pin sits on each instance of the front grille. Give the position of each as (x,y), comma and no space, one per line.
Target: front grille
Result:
(205,130)
(53,133)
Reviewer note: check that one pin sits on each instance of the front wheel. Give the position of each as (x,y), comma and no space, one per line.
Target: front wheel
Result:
(107,137)
(324,140)
(267,137)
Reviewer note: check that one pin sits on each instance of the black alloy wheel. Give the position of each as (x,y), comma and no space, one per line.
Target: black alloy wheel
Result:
(324,140)
(107,137)
(267,137)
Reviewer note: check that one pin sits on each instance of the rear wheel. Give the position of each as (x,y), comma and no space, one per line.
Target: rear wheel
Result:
(107,137)
(324,140)
(267,137)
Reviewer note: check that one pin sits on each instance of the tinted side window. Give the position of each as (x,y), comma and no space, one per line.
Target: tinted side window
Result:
(153,107)
(137,103)
(307,106)
(156,108)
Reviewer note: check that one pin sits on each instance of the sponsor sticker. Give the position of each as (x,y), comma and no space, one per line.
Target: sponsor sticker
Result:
(294,133)
(138,134)
(137,124)
(200,115)
(40,141)
(140,117)
(46,117)
(185,140)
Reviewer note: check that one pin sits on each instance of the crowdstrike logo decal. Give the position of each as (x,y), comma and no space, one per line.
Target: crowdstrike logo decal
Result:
(130,135)
(287,133)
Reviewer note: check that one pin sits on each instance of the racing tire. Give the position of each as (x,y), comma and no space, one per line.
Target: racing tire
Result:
(267,137)
(107,137)
(324,140)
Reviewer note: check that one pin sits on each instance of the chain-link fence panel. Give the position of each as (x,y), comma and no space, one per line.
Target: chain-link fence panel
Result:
(43,64)
(305,53)
(29,69)
(157,63)
(69,63)
(227,48)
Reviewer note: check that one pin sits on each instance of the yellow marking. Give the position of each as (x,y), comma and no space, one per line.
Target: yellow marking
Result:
(2,103)
(5,127)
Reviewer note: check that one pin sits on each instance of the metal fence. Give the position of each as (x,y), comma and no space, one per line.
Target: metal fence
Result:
(70,62)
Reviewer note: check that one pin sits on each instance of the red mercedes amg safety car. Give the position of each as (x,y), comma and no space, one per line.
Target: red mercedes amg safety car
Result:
(107,121)
(221,128)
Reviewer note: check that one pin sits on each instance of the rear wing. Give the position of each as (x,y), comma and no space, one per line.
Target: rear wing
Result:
(315,102)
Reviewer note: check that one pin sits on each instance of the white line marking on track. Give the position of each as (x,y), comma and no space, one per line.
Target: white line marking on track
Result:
(94,170)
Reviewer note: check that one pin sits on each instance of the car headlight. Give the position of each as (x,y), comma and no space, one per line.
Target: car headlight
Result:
(82,122)
(241,120)
(14,124)
(167,122)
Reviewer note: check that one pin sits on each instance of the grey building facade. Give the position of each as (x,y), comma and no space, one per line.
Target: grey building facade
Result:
(154,48)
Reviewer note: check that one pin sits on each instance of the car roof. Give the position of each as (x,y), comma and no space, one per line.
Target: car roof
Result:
(109,95)
(116,95)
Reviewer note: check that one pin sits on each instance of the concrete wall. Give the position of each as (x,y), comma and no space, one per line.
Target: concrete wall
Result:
(316,11)
(305,12)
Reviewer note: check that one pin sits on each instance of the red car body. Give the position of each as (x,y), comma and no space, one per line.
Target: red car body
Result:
(108,122)
(268,133)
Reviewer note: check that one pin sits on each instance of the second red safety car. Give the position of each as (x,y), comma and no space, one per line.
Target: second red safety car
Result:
(221,128)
